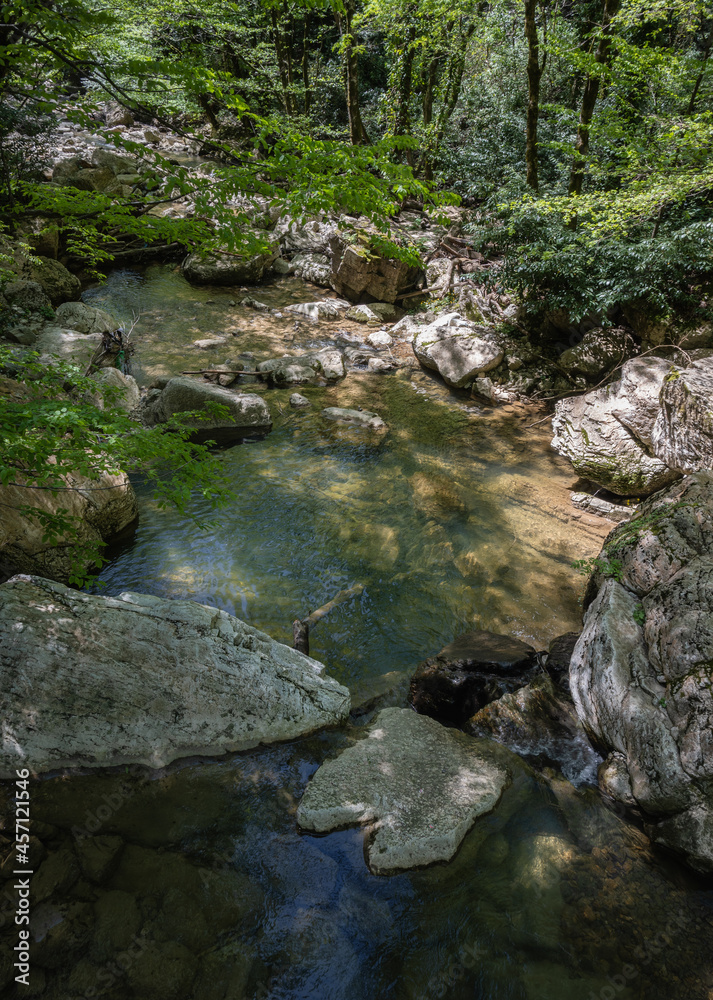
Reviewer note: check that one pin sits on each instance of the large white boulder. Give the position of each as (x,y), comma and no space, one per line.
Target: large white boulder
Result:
(602,449)
(636,402)
(84,319)
(99,681)
(683,433)
(457,349)
(246,413)
(640,673)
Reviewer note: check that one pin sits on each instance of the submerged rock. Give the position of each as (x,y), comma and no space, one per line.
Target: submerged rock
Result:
(151,680)
(469,673)
(456,348)
(364,418)
(421,785)
(641,670)
(539,722)
(297,400)
(247,414)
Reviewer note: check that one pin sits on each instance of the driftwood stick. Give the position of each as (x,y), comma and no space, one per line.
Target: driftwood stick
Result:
(300,632)
(300,628)
(217,371)
(342,596)
(421,291)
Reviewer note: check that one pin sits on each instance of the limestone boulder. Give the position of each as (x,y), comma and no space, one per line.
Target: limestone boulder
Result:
(100,510)
(361,274)
(636,402)
(305,368)
(151,680)
(598,351)
(67,345)
(84,318)
(312,237)
(118,163)
(116,390)
(419,785)
(363,314)
(59,284)
(27,295)
(323,309)
(640,673)
(203,268)
(682,435)
(469,673)
(313,267)
(602,449)
(457,349)
(245,415)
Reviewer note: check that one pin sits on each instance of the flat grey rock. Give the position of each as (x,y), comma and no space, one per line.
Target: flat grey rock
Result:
(421,785)
(99,681)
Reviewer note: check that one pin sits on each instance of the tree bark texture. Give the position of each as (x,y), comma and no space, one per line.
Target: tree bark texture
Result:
(534,75)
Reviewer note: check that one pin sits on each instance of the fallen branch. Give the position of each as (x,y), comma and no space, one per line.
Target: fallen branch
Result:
(301,627)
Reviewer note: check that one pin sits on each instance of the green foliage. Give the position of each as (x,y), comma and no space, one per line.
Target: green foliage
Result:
(639,615)
(52,430)
(601,564)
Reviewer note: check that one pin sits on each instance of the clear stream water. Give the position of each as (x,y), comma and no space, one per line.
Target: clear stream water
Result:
(458,518)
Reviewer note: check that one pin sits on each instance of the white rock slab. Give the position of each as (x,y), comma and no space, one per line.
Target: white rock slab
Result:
(98,681)
(421,785)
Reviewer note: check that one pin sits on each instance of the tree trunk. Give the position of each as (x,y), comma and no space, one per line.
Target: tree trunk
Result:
(589,99)
(305,66)
(451,93)
(358,133)
(699,79)
(279,43)
(404,86)
(534,74)
(429,87)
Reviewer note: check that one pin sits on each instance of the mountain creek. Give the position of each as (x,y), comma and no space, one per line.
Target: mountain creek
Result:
(199,882)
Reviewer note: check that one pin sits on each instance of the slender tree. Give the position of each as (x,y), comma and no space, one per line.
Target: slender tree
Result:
(358,133)
(535,68)
(589,99)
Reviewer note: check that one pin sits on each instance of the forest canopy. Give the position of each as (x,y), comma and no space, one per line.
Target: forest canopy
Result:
(578,133)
